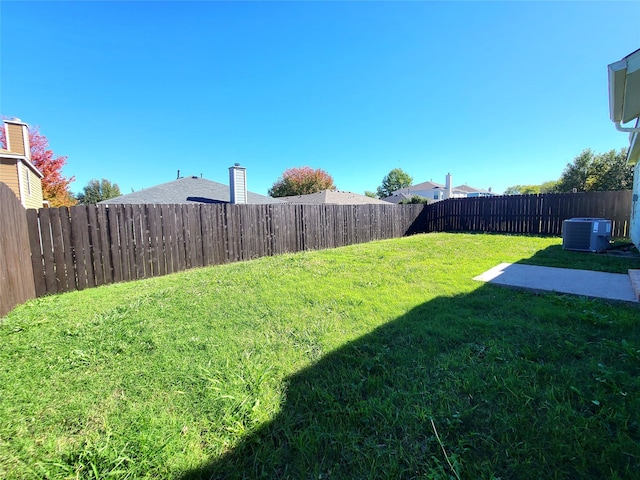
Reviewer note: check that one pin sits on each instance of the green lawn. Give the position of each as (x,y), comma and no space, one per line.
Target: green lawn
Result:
(382,360)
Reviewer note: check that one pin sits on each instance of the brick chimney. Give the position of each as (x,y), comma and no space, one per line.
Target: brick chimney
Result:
(17,133)
(238,184)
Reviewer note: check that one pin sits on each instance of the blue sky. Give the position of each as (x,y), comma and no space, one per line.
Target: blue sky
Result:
(497,93)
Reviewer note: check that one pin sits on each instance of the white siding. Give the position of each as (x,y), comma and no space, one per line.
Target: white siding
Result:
(635,208)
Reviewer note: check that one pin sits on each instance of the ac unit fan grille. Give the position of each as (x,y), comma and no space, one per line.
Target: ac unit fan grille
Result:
(577,236)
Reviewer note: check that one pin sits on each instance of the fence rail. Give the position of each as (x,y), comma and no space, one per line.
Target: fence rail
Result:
(62,249)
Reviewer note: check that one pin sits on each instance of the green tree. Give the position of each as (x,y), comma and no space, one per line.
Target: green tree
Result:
(590,172)
(522,189)
(301,181)
(98,190)
(613,172)
(370,194)
(550,186)
(394,180)
(576,174)
(546,187)
(415,199)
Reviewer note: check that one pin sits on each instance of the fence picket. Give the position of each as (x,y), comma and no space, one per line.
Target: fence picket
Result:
(47,251)
(58,252)
(127,242)
(105,244)
(155,240)
(168,237)
(96,245)
(113,217)
(35,246)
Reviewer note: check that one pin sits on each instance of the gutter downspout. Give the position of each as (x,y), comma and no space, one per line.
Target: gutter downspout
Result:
(620,128)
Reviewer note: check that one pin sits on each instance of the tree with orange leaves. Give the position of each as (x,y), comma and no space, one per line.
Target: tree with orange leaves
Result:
(301,181)
(55,186)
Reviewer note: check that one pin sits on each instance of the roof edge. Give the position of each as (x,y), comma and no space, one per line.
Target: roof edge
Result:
(24,159)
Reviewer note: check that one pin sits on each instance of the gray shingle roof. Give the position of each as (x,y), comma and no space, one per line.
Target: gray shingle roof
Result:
(396,197)
(421,186)
(468,189)
(332,197)
(187,190)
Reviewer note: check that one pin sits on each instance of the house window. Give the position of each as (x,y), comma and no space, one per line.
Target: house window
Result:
(27,180)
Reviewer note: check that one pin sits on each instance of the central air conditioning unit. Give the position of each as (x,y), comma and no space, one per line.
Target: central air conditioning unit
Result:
(586,234)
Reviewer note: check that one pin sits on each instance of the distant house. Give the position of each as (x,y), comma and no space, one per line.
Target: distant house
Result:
(472,192)
(332,197)
(16,169)
(437,191)
(197,190)
(624,107)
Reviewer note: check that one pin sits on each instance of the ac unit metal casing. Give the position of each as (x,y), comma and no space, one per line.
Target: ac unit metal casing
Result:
(586,234)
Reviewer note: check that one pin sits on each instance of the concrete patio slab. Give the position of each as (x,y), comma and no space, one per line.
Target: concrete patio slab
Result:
(611,286)
(634,276)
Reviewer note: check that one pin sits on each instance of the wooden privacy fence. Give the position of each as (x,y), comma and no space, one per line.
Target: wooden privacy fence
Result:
(529,214)
(62,249)
(88,245)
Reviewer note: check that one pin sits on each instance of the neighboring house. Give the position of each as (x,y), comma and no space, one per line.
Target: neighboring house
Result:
(398,197)
(16,169)
(332,197)
(197,190)
(624,107)
(436,191)
(472,192)
(429,190)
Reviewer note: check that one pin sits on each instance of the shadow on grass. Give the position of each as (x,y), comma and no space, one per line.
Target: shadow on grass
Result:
(516,385)
(614,260)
